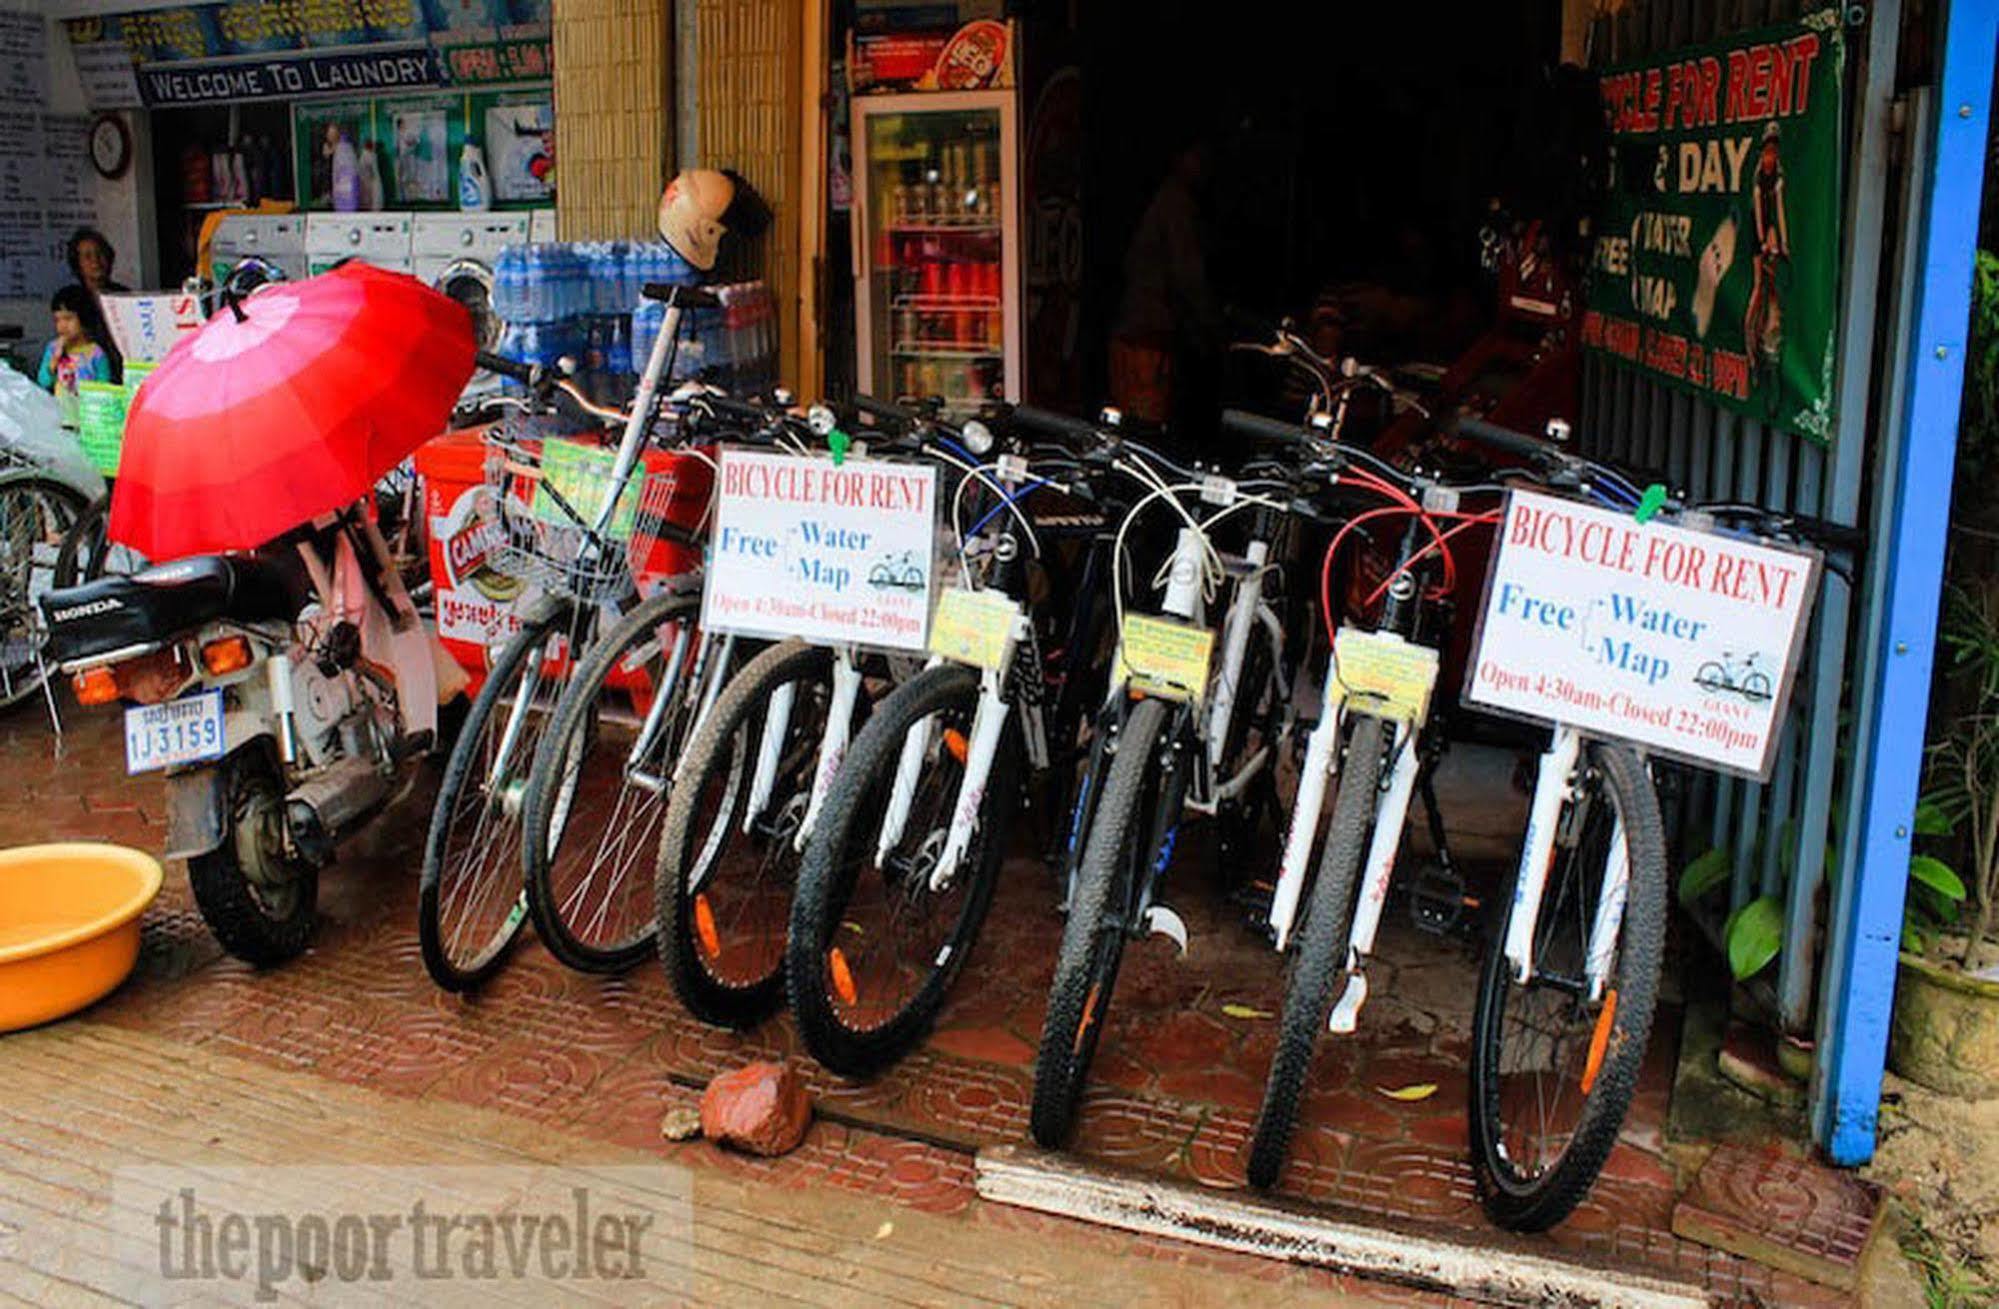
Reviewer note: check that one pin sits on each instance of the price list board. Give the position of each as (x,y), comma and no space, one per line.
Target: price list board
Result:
(44,190)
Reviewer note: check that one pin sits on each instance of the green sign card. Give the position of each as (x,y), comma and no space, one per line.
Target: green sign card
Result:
(1716,260)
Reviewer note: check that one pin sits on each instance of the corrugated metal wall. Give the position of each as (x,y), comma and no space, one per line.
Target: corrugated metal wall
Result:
(1776,835)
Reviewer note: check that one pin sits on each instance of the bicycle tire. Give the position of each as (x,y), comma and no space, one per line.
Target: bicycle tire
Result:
(73,566)
(1093,939)
(19,622)
(562,912)
(1321,953)
(724,750)
(447,967)
(1536,1203)
(850,826)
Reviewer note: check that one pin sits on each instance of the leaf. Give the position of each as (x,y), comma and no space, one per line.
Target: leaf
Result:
(1931,820)
(1914,939)
(1937,875)
(1409,1094)
(1244,1011)
(1703,875)
(1754,935)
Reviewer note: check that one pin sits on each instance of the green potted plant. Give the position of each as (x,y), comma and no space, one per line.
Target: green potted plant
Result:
(1946,1030)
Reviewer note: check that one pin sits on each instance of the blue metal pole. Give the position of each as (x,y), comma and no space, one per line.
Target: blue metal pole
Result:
(1867,917)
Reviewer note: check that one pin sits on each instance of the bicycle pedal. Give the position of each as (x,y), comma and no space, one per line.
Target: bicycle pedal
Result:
(1164,922)
(1438,903)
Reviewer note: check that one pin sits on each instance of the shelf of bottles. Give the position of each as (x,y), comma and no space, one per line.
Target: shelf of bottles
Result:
(938,244)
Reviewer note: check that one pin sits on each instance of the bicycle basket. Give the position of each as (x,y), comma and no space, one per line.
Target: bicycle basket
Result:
(549,491)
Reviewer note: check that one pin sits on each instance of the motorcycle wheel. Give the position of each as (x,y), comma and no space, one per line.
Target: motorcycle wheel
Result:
(260,902)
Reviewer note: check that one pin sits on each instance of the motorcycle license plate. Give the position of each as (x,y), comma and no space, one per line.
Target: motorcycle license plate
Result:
(183,731)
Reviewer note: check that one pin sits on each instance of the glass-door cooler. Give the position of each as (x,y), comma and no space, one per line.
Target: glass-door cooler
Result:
(937,246)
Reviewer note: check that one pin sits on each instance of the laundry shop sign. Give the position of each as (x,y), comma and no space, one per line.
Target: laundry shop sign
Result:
(365,71)
(1714,264)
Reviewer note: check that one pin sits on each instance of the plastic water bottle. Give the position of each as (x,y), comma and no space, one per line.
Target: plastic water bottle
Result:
(646,320)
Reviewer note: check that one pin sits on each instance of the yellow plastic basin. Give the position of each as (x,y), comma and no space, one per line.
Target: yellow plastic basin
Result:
(69,926)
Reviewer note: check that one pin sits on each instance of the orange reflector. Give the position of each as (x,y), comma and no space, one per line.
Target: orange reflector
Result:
(841,976)
(1600,1040)
(95,685)
(1089,1016)
(704,928)
(954,741)
(231,654)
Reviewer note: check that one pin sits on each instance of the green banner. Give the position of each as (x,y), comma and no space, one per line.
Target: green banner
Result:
(1716,260)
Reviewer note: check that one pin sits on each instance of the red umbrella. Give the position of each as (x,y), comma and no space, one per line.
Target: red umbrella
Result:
(292,404)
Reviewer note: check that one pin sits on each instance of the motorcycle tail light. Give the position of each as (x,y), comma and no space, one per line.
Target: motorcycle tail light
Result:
(95,686)
(231,654)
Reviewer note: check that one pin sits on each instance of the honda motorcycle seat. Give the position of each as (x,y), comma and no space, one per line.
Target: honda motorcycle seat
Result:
(120,613)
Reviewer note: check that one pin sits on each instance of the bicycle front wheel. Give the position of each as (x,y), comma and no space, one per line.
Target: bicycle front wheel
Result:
(1553,1066)
(876,938)
(597,792)
(1130,834)
(1321,955)
(728,853)
(471,903)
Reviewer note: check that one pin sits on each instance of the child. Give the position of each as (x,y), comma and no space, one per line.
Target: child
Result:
(72,357)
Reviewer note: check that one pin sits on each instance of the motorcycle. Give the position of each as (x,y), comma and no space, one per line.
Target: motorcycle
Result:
(284,692)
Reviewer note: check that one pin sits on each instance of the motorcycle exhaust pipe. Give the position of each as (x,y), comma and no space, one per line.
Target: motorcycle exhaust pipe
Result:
(332,801)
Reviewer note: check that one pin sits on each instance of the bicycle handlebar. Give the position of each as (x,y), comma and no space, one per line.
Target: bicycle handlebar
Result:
(525,374)
(1059,426)
(1505,438)
(1259,428)
(686,297)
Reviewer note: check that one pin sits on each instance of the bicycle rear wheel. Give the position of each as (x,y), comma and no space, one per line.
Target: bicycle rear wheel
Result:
(1553,1068)
(1321,955)
(35,515)
(471,903)
(597,792)
(727,868)
(873,946)
(1130,835)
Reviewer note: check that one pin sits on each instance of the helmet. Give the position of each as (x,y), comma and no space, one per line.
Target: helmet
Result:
(700,205)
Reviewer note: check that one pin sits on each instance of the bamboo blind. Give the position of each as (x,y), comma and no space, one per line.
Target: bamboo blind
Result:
(613,97)
(749,55)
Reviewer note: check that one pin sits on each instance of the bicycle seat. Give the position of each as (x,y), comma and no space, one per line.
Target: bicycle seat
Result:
(118,613)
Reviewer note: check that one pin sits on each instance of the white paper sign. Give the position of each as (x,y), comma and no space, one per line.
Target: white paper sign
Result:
(147,326)
(1680,641)
(835,555)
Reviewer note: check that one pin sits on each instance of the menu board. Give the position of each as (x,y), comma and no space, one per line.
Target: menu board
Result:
(44,191)
(24,60)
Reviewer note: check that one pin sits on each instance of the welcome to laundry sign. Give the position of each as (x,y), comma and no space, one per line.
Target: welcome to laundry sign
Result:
(367,70)
(1716,259)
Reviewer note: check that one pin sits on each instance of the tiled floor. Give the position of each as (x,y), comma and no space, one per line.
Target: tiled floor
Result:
(1178,1077)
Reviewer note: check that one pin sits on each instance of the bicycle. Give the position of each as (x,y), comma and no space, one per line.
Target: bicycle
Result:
(899,878)
(1171,738)
(750,791)
(473,895)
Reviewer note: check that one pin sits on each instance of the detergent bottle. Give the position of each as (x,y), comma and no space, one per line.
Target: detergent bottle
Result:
(475,188)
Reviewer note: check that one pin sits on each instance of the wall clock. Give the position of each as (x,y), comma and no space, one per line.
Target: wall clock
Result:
(110,146)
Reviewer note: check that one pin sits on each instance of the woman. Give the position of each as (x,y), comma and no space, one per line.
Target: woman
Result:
(91,259)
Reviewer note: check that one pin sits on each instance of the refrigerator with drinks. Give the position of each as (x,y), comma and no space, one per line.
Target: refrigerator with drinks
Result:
(937,246)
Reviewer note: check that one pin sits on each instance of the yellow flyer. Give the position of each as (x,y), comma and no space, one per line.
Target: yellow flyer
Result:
(974,627)
(1386,675)
(1165,658)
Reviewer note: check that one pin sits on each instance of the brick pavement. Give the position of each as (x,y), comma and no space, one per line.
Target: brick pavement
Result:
(1179,1073)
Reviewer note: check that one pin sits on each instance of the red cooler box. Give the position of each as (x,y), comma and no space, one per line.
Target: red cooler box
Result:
(477,607)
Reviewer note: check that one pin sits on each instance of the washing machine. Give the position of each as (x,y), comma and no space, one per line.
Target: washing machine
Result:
(456,252)
(277,239)
(381,239)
